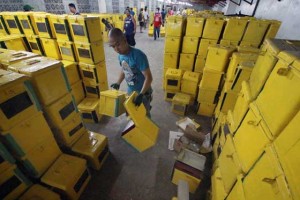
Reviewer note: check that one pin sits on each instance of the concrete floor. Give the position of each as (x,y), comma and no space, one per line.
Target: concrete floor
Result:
(128,174)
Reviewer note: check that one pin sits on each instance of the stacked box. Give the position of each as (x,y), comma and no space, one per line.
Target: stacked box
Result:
(172,82)
(40,192)
(44,28)
(15,42)
(112,103)
(12,23)
(180,103)
(12,57)
(27,22)
(189,83)
(89,109)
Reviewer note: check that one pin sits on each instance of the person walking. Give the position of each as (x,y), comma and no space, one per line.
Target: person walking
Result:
(157,22)
(73,9)
(141,20)
(129,28)
(135,69)
(163,15)
(146,17)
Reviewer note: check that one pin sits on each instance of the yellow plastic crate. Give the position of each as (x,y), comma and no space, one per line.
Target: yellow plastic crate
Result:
(268,59)
(68,175)
(199,64)
(251,138)
(219,120)
(45,29)
(180,103)
(287,146)
(172,44)
(218,191)
(61,27)
(140,138)
(208,95)
(41,157)
(12,23)
(35,128)
(90,53)
(61,110)
(67,50)
(189,82)
(182,170)
(218,57)
(111,103)
(150,30)
(78,92)
(13,57)
(190,45)
(170,60)
(186,62)
(227,98)
(27,23)
(173,79)
(285,99)
(211,79)
(213,28)
(234,29)
(7,160)
(89,110)
(194,26)
(174,27)
(236,60)
(237,191)
(206,109)
(51,48)
(35,44)
(203,46)
(266,180)
(92,90)
(42,70)
(68,133)
(229,164)
(85,29)
(94,73)
(14,42)
(71,71)
(228,43)
(243,73)
(169,94)
(93,147)
(40,192)
(16,89)
(255,31)
(13,183)
(273,29)
(242,104)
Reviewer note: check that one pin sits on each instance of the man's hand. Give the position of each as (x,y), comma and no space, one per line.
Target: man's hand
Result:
(115,86)
(138,99)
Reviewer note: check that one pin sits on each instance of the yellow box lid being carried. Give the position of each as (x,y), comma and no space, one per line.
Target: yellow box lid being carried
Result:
(35,66)
(90,143)
(88,104)
(113,93)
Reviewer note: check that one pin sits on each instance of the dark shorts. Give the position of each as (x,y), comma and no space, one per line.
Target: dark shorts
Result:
(130,39)
(141,23)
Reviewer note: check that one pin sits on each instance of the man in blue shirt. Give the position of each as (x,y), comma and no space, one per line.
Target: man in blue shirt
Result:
(132,13)
(135,69)
(129,28)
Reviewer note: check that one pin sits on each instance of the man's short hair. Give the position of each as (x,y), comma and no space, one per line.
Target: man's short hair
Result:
(72,5)
(116,33)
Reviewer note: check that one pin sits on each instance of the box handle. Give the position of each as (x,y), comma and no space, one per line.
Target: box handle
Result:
(283,71)
(17,55)
(32,62)
(253,122)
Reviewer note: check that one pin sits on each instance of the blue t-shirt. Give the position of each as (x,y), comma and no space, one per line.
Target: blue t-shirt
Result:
(128,26)
(133,64)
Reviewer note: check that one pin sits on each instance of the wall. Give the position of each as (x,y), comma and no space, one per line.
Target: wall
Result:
(37,5)
(8,5)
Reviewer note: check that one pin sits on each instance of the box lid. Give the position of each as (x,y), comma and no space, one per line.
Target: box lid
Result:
(246,49)
(171,72)
(9,58)
(192,159)
(191,76)
(113,93)
(275,46)
(87,66)
(39,192)
(292,58)
(246,91)
(88,104)
(68,63)
(182,98)
(9,77)
(64,172)
(90,143)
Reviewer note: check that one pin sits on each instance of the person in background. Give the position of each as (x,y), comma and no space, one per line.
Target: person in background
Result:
(171,12)
(135,69)
(146,17)
(157,22)
(132,12)
(178,12)
(184,12)
(129,28)
(141,20)
(27,8)
(163,15)
(73,10)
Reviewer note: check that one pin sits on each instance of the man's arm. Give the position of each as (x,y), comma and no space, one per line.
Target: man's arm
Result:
(121,77)
(148,80)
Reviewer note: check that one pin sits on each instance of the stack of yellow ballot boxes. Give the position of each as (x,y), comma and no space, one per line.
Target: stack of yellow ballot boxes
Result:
(263,144)
(86,33)
(141,132)
(172,83)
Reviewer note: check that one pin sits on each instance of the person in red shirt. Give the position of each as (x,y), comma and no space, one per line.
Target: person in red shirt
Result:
(157,22)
